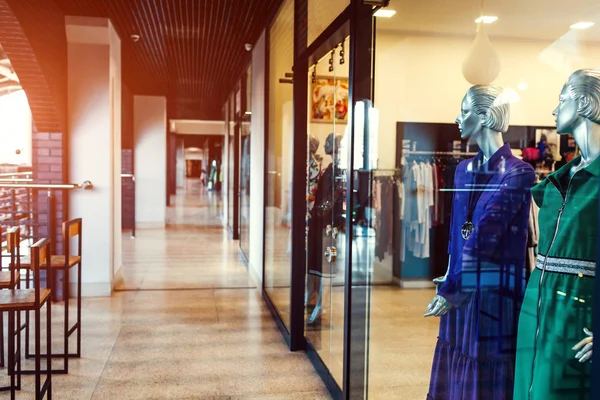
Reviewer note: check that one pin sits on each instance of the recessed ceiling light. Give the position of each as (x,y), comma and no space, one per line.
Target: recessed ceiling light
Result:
(382,12)
(582,25)
(522,86)
(487,19)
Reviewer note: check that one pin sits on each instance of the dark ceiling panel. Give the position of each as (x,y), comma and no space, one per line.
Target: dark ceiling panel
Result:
(192,51)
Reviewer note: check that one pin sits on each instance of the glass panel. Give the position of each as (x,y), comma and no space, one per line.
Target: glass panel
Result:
(447,195)
(326,214)
(245,170)
(321,14)
(278,210)
(232,163)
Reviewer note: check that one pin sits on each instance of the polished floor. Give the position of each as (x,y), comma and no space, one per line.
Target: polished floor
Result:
(194,252)
(208,337)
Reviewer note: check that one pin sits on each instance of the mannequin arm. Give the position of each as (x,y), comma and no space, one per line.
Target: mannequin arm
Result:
(481,248)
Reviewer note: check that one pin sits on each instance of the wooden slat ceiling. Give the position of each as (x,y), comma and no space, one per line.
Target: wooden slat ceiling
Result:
(190,50)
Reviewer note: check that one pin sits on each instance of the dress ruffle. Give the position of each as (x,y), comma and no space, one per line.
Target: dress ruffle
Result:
(452,376)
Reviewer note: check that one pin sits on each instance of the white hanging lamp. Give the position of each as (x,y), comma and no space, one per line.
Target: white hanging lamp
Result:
(482,64)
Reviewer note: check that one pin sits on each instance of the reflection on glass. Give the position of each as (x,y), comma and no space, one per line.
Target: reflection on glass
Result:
(245,169)
(326,213)
(278,210)
(449,226)
(232,163)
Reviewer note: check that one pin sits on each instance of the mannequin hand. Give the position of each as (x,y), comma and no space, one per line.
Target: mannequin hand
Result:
(439,306)
(585,345)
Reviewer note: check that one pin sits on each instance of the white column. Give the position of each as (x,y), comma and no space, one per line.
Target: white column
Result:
(257,162)
(150,160)
(94,95)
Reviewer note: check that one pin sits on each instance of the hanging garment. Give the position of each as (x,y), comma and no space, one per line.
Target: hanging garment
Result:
(559,300)
(475,353)
(385,212)
(532,237)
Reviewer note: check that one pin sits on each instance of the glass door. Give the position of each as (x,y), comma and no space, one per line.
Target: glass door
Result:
(326,212)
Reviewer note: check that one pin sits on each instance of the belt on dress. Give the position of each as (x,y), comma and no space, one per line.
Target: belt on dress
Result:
(567,266)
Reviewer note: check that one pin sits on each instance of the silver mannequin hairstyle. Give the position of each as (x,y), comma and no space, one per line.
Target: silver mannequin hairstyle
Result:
(313,144)
(584,87)
(489,101)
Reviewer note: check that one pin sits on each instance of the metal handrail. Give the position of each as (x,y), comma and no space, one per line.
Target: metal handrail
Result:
(16,179)
(15,173)
(87,185)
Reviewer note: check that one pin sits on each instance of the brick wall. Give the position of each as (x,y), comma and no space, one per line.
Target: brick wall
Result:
(127,189)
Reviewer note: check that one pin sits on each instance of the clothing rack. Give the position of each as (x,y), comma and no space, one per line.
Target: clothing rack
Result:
(441,153)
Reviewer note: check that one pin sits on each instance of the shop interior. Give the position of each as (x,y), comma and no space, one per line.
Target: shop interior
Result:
(421,59)
(419,83)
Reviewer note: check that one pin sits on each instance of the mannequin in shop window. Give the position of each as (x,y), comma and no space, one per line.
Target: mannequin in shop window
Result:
(327,211)
(313,173)
(479,298)
(555,339)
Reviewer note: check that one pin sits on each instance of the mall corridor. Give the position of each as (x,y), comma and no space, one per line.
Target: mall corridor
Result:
(187,324)
(299,199)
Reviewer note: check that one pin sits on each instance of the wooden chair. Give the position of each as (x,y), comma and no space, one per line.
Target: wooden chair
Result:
(14,301)
(13,239)
(70,229)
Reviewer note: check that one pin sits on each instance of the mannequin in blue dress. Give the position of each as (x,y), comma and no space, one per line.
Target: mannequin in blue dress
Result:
(479,298)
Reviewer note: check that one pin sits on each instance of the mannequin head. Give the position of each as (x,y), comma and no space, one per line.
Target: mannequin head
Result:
(483,108)
(313,145)
(330,146)
(579,101)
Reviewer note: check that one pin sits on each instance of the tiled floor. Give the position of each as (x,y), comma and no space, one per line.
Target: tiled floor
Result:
(208,341)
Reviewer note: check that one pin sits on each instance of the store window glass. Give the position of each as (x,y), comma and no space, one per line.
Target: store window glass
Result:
(326,212)
(245,168)
(232,164)
(278,212)
(479,290)
(15,119)
(321,14)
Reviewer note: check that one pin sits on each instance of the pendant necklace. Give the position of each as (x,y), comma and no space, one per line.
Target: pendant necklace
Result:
(474,195)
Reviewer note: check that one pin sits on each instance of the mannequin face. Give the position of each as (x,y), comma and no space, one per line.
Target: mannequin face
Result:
(566,113)
(469,123)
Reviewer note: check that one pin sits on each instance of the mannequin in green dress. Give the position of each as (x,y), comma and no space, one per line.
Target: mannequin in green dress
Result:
(554,339)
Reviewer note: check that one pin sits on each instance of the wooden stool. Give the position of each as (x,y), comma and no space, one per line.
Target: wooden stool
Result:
(13,240)
(14,301)
(70,230)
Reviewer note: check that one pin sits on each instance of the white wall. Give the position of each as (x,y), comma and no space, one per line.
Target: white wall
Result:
(150,138)
(419,79)
(116,110)
(95,145)
(257,161)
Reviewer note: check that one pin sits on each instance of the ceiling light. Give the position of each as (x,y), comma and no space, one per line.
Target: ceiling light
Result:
(522,86)
(486,19)
(582,25)
(248,112)
(382,12)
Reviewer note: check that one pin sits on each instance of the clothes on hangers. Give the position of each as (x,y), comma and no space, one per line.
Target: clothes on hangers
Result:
(383,201)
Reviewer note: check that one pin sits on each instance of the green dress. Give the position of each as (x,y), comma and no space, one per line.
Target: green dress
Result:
(559,297)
